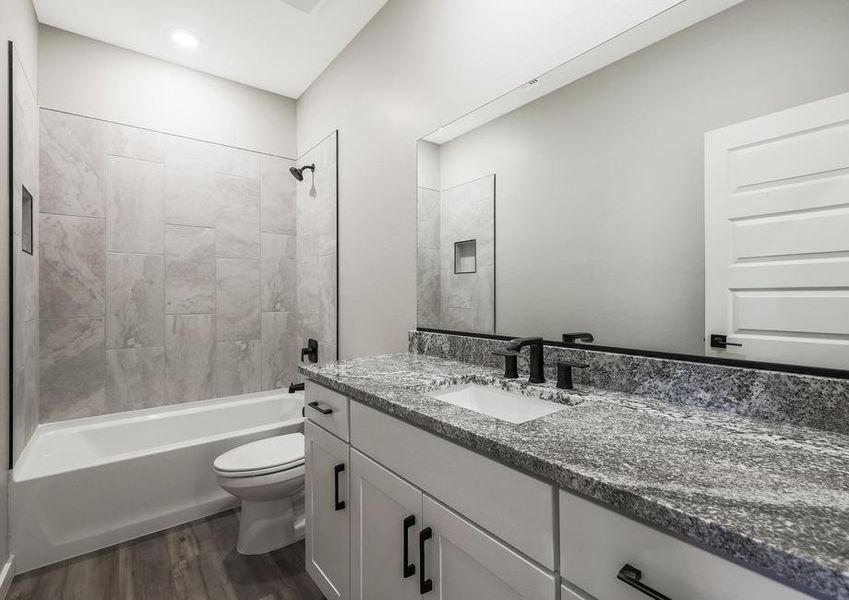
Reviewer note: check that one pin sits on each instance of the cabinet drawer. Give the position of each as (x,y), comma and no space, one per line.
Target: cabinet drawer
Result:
(595,543)
(318,401)
(513,506)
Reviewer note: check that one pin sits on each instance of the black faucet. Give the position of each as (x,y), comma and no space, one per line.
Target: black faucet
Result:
(537,362)
(311,351)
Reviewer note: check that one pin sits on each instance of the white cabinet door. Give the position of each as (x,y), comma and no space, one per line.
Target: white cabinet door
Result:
(328,548)
(776,243)
(386,516)
(462,562)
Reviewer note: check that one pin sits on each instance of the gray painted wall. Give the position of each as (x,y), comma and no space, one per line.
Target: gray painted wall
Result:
(91,78)
(600,184)
(414,67)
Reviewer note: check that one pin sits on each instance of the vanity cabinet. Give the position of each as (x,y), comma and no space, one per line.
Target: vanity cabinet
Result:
(400,513)
(596,543)
(328,549)
(393,522)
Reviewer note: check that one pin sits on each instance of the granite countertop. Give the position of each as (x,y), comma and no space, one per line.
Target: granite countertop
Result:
(773,496)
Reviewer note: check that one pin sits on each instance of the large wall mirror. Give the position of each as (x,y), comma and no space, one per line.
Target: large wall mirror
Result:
(682,188)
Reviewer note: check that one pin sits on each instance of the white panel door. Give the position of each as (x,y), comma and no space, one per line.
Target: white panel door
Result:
(386,516)
(777,236)
(462,562)
(328,533)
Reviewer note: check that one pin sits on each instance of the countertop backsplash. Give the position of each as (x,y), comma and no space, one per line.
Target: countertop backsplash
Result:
(807,400)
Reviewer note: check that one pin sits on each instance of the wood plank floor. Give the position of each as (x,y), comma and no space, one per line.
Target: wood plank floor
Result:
(196,561)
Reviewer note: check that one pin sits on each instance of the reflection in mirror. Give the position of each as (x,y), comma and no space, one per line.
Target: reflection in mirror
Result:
(604,185)
(456,249)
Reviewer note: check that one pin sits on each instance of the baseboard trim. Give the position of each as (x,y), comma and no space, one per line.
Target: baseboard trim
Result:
(6,576)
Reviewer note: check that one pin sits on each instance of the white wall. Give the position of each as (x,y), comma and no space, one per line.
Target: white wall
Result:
(608,172)
(415,66)
(86,77)
(17,23)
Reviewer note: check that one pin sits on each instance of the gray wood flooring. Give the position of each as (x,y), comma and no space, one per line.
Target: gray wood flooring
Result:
(196,561)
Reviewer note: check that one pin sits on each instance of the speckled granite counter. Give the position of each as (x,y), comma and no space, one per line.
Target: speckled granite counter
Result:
(773,496)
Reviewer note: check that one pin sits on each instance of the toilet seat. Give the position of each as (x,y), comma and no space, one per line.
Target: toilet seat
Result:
(263,457)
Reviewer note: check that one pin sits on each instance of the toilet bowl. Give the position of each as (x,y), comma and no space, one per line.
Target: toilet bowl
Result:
(268,477)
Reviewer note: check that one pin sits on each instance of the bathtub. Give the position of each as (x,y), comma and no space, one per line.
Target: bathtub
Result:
(90,483)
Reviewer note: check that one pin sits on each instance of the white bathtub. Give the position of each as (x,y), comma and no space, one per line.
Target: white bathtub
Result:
(86,484)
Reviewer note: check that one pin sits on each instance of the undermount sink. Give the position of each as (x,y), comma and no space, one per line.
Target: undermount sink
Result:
(494,402)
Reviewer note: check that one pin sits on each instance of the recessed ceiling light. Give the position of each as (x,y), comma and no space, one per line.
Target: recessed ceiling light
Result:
(184,38)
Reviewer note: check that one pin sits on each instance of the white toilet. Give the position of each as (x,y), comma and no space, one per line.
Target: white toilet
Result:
(268,476)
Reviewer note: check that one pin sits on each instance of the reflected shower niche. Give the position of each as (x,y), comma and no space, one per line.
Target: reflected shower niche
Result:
(456,248)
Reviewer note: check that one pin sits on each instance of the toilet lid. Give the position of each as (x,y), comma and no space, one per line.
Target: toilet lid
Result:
(275,453)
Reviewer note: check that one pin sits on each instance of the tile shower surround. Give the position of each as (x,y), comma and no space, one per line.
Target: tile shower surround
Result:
(168,269)
(24,266)
(807,400)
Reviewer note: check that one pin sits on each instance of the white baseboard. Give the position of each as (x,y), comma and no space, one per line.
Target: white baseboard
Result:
(6,576)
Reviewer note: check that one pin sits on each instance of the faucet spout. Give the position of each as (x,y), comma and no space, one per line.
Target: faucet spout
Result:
(536,359)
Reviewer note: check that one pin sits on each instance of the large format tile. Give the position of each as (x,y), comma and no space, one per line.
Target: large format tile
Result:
(71,165)
(237,162)
(428,287)
(277,196)
(280,350)
(72,365)
(135,314)
(279,276)
(189,196)
(134,142)
(72,267)
(327,299)
(134,206)
(134,378)
(238,367)
(427,218)
(237,217)
(189,357)
(238,299)
(189,270)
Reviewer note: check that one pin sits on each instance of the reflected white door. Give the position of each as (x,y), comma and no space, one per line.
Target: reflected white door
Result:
(777,236)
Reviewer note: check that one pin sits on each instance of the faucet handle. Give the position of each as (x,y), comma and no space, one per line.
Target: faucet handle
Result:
(564,373)
(511,367)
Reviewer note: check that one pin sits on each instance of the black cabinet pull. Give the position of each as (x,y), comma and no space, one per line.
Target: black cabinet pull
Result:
(409,568)
(632,575)
(324,411)
(340,504)
(425,585)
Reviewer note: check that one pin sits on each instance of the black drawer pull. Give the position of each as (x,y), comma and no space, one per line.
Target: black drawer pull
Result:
(340,504)
(409,568)
(632,575)
(425,585)
(324,411)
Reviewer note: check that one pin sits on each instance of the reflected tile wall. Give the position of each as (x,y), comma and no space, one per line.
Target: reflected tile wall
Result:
(168,269)
(467,300)
(316,199)
(428,258)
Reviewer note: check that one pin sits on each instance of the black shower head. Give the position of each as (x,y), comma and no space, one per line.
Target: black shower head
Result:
(299,173)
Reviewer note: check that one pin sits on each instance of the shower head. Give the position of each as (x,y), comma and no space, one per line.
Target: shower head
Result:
(299,173)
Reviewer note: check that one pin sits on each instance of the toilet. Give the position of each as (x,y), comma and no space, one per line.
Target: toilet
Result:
(268,477)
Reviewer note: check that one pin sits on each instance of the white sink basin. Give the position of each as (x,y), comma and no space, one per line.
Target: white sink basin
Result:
(506,406)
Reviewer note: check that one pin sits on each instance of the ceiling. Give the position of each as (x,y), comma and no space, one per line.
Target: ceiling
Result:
(274,45)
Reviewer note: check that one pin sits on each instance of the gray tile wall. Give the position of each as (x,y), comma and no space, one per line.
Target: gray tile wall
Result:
(167,270)
(428,258)
(316,251)
(24,266)
(467,300)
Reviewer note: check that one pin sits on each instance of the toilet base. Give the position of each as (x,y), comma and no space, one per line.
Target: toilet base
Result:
(268,525)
